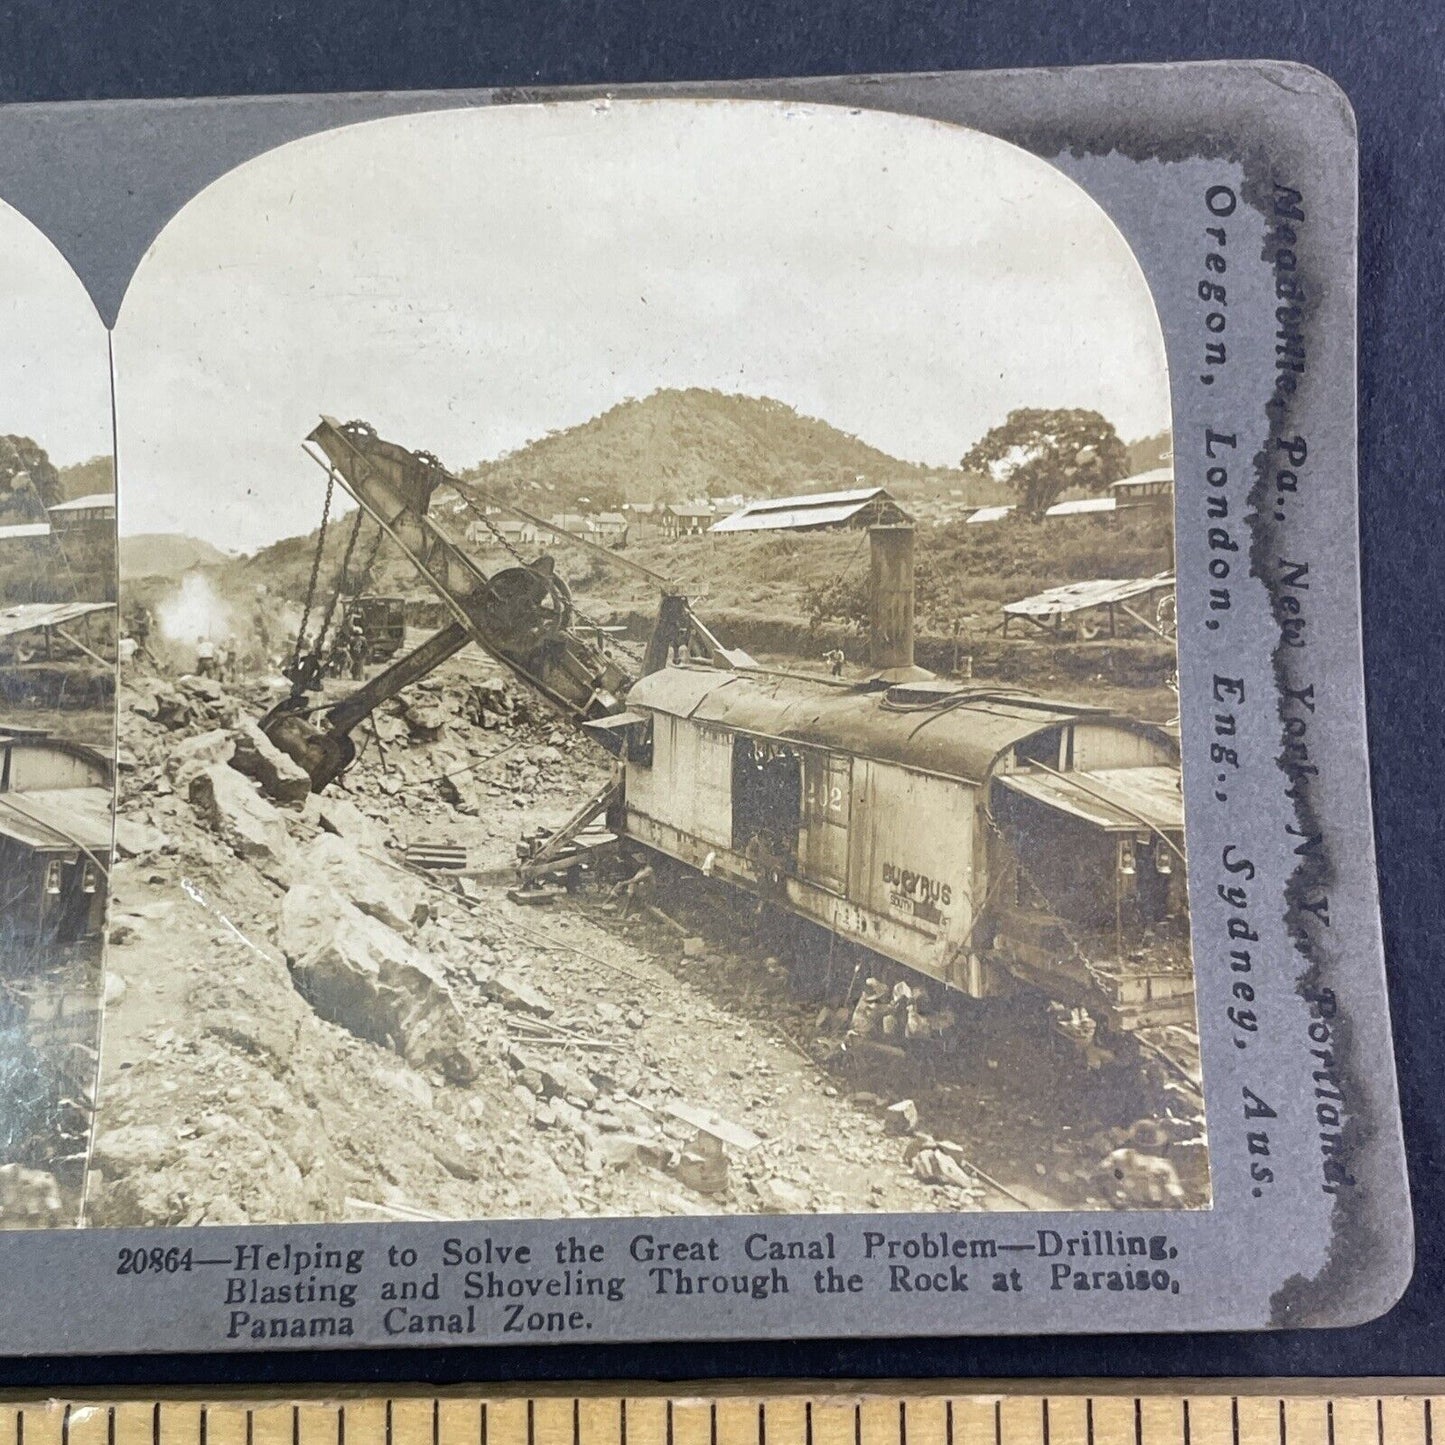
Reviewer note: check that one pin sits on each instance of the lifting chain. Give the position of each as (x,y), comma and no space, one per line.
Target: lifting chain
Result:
(337,590)
(294,672)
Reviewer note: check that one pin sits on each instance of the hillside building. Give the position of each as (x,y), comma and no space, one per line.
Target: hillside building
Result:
(687,519)
(817,511)
(93,512)
(1153,490)
(501,532)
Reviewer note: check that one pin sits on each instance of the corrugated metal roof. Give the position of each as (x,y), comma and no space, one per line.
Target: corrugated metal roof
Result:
(815,509)
(55,819)
(1147,479)
(94,501)
(961,738)
(989,514)
(822,499)
(27,616)
(1080,506)
(1079,595)
(24,529)
(1119,799)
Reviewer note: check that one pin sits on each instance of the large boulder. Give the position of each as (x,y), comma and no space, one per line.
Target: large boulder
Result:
(340,816)
(358,973)
(280,776)
(383,892)
(244,820)
(195,754)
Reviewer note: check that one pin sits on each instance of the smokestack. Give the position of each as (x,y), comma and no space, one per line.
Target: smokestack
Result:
(890,599)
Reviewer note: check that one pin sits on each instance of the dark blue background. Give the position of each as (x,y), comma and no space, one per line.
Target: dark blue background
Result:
(1388,56)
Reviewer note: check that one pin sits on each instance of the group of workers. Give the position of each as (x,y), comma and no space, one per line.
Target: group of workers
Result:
(218,660)
(351,649)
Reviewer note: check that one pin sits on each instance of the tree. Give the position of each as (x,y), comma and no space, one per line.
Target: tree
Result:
(29,483)
(1043,453)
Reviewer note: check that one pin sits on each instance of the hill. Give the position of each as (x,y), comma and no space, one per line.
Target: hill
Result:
(674,445)
(1150,452)
(163,554)
(84,479)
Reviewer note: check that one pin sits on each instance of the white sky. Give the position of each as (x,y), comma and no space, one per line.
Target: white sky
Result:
(54,370)
(469,280)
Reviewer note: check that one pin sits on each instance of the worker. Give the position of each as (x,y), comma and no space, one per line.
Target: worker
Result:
(636,889)
(262,628)
(359,649)
(205,657)
(835,660)
(141,629)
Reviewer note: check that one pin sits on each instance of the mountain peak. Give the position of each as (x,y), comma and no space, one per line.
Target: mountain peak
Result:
(680,443)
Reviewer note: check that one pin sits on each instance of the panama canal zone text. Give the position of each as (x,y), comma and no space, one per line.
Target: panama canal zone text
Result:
(482,1286)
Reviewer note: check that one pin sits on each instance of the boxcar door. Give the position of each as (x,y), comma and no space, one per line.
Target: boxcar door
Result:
(827,796)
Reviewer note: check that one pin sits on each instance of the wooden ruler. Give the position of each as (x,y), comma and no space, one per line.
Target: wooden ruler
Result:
(1283,1412)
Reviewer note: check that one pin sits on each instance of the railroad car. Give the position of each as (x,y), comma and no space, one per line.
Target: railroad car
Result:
(979,837)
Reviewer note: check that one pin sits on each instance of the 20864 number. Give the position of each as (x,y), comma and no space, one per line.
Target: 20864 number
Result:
(157,1260)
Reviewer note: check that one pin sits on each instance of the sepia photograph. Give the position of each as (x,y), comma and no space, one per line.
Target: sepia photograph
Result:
(646,686)
(57,723)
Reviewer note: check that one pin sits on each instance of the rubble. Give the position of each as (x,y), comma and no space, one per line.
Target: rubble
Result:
(306,1031)
(357,972)
(280,776)
(902,1117)
(245,822)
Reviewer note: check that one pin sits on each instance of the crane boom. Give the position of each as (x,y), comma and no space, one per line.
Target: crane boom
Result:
(522,616)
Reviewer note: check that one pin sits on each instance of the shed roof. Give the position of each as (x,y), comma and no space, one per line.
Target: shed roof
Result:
(1077,596)
(813,509)
(956,731)
(989,514)
(24,529)
(1147,479)
(93,501)
(1120,800)
(27,616)
(58,819)
(1081,506)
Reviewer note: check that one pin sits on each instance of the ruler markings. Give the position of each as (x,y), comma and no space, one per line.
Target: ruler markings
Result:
(1113,1420)
(832,1422)
(1068,1420)
(877,1422)
(734,1417)
(972,1420)
(1158,1418)
(737,1423)
(1211,1419)
(928,1420)
(39,1427)
(647,1423)
(86,1425)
